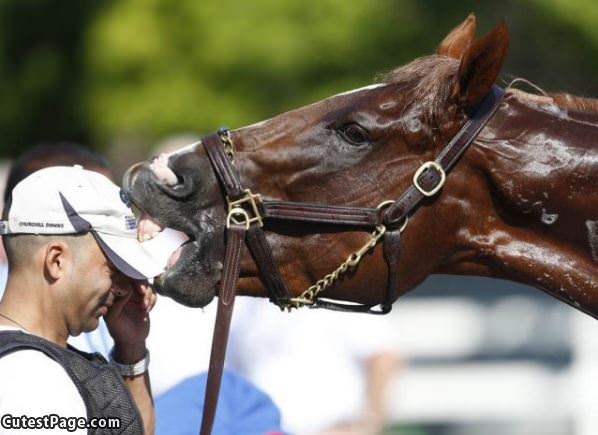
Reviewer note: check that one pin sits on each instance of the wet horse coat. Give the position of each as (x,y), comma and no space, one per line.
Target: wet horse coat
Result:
(520,204)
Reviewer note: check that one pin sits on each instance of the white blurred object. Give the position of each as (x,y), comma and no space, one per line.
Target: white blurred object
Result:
(584,374)
(470,392)
(164,244)
(180,340)
(438,327)
(311,362)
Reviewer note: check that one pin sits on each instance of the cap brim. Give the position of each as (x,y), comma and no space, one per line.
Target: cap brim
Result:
(128,256)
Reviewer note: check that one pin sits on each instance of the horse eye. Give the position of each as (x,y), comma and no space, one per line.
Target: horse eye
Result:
(353,133)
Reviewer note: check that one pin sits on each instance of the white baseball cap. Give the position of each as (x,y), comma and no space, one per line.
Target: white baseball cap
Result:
(73,200)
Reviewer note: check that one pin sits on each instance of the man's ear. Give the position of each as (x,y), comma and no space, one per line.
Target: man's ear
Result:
(480,66)
(56,256)
(456,43)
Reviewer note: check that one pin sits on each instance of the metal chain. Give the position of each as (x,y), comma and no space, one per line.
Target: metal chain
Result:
(227,142)
(309,296)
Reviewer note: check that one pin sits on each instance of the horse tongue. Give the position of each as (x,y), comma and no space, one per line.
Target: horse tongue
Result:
(163,173)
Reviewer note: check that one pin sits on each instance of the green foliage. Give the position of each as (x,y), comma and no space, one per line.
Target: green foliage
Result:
(40,71)
(156,67)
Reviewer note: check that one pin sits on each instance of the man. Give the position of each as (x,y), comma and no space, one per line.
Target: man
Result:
(42,156)
(73,257)
(178,374)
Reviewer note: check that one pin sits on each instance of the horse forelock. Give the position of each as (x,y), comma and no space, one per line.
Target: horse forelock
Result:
(429,81)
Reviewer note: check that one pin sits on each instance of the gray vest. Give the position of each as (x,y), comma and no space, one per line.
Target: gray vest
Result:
(100,385)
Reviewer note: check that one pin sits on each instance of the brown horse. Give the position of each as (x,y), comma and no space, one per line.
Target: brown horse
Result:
(519,205)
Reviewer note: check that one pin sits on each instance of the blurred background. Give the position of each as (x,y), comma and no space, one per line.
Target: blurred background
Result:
(477,356)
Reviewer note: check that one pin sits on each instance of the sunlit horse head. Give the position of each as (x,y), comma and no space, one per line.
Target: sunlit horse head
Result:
(521,203)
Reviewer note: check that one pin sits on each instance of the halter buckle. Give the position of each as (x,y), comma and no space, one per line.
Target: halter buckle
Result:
(429,165)
(234,215)
(249,204)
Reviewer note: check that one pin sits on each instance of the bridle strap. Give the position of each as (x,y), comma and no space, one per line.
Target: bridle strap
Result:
(432,176)
(321,213)
(235,236)
(225,171)
(266,264)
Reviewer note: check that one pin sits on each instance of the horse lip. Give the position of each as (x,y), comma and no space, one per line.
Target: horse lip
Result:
(180,249)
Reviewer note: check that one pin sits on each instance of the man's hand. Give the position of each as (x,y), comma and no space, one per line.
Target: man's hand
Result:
(128,323)
(128,318)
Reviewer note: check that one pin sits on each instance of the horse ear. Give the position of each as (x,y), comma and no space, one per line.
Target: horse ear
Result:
(459,39)
(480,66)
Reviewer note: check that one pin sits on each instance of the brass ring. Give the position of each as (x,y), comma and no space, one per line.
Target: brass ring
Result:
(389,202)
(237,211)
(404,224)
(384,204)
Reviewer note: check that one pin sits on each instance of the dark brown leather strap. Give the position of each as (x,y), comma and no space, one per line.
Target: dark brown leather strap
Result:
(321,213)
(391,246)
(235,236)
(225,171)
(396,213)
(266,264)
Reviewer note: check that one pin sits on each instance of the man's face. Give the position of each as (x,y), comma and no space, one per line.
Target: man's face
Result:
(94,283)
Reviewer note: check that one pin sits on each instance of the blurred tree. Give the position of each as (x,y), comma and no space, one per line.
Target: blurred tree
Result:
(40,71)
(169,66)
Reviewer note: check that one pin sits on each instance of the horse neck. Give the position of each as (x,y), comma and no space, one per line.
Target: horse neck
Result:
(541,162)
(543,158)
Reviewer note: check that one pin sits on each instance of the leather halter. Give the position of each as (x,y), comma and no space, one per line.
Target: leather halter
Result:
(249,214)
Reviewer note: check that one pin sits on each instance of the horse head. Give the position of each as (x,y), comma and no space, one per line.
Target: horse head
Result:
(361,148)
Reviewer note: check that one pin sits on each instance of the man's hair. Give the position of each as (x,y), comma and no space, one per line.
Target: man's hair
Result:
(21,248)
(17,246)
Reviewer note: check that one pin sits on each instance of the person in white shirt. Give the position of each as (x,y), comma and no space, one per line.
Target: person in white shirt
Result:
(73,256)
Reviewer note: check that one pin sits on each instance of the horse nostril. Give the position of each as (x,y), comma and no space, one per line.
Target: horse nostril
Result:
(181,189)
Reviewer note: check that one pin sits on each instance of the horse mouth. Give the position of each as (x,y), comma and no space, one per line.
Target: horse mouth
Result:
(193,269)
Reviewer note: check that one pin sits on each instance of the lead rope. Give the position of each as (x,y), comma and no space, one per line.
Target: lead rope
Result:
(235,237)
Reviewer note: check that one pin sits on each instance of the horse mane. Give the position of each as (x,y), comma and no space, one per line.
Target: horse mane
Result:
(560,99)
(429,80)
(581,104)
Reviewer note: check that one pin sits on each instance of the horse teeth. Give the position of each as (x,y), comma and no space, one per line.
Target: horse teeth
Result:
(147,228)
